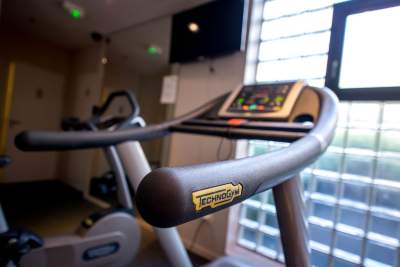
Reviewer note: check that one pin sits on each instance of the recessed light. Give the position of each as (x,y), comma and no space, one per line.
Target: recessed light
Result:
(193,27)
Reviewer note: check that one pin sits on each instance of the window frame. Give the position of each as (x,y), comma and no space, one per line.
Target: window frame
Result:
(236,221)
(340,13)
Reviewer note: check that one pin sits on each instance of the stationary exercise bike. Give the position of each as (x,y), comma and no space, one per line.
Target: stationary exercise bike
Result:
(292,112)
(14,243)
(107,238)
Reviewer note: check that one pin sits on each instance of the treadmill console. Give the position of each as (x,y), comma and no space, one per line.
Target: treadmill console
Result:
(262,101)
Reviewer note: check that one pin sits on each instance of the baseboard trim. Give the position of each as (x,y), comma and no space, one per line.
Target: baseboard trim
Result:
(200,250)
(102,204)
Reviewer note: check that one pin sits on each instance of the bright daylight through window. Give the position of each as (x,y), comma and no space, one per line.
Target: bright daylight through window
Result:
(352,193)
(363,56)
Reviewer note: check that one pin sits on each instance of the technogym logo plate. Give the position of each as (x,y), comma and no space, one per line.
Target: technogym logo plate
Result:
(216,196)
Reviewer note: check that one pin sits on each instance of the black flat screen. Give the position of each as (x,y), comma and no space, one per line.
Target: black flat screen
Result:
(207,31)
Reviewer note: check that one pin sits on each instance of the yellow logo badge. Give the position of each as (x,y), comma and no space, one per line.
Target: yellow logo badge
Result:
(216,196)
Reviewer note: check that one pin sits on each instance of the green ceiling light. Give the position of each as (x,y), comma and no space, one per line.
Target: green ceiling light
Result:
(154,50)
(75,13)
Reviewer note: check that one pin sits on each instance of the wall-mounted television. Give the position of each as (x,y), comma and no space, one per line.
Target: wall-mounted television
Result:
(210,30)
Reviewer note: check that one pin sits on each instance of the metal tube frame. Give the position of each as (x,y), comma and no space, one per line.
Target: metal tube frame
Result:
(123,194)
(292,222)
(137,167)
(3,222)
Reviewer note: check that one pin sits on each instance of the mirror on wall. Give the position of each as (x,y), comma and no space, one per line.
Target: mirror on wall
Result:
(72,59)
(136,59)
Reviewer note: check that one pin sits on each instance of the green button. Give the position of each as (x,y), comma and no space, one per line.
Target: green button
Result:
(265,100)
(279,99)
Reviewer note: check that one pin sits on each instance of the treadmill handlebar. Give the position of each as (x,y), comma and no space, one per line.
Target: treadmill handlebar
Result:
(171,196)
(54,140)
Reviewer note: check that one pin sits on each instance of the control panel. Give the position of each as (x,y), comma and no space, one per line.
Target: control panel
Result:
(269,101)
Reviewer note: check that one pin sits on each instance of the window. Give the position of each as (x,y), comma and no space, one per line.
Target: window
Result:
(365,41)
(352,193)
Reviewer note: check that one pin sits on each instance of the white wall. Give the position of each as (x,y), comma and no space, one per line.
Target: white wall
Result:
(118,78)
(79,84)
(198,85)
(147,89)
(36,104)
(35,71)
(85,83)
(152,111)
(15,46)
(72,83)
(90,82)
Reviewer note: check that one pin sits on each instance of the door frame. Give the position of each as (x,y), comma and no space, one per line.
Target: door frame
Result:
(5,110)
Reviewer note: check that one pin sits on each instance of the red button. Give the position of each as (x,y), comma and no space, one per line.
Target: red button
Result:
(235,122)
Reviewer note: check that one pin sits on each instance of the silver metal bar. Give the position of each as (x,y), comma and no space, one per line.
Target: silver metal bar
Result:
(124,197)
(371,189)
(292,222)
(137,167)
(295,57)
(300,13)
(173,246)
(338,192)
(3,221)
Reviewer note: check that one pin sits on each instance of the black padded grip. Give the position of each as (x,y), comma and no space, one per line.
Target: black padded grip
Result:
(167,197)
(171,196)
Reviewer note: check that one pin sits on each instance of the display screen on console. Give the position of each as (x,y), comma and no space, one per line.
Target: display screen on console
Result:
(260,98)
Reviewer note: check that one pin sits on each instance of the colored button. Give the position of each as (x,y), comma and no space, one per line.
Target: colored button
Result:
(236,122)
(279,99)
(260,107)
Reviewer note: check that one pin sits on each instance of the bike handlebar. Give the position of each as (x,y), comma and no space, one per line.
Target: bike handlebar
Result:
(134,105)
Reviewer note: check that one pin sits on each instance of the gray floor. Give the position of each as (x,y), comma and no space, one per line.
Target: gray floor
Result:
(152,255)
